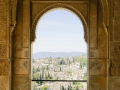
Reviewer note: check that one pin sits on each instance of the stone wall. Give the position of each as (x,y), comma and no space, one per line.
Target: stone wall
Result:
(21,48)
(114,44)
(4,45)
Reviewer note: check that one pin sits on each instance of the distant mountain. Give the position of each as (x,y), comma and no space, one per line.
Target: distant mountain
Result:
(39,55)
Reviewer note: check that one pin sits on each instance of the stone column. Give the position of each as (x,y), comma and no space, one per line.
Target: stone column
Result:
(21,48)
(98,51)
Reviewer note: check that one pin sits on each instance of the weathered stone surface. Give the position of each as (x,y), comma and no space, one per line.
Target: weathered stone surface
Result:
(97,83)
(114,83)
(3,21)
(4,83)
(21,82)
(93,23)
(21,53)
(3,50)
(115,67)
(115,50)
(97,67)
(4,67)
(21,66)
(26,24)
(116,13)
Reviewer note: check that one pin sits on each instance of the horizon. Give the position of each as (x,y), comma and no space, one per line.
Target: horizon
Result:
(61,51)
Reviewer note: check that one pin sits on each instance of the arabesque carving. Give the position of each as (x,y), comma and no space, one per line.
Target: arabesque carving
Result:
(3,28)
(115,67)
(97,67)
(115,49)
(14,4)
(4,67)
(116,13)
(4,83)
(3,50)
(3,21)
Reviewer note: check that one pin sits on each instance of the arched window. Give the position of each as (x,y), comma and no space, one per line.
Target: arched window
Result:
(59,59)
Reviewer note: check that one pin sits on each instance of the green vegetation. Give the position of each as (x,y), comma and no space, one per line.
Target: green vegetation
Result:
(44,87)
(70,68)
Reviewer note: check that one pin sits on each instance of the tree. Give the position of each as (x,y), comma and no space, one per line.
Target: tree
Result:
(44,87)
(41,79)
(34,70)
(77,88)
(69,87)
(60,68)
(35,76)
(47,68)
(38,69)
(33,60)
(62,88)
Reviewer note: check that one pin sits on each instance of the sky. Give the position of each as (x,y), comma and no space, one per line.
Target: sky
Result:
(59,31)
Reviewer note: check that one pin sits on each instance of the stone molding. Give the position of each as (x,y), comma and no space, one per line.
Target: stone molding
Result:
(13,11)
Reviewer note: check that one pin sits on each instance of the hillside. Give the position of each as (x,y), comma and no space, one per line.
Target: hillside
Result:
(39,55)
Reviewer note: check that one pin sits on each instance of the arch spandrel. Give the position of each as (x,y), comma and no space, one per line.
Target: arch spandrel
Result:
(59,6)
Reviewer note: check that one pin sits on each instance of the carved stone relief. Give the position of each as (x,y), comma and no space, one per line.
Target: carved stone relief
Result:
(115,49)
(115,67)
(21,66)
(21,82)
(97,67)
(4,67)
(4,83)
(3,50)
(97,83)
(3,28)
(13,13)
(114,83)
(116,13)
(93,53)
(2,25)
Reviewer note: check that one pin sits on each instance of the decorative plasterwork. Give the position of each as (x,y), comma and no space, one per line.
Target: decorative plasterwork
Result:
(116,23)
(57,6)
(115,67)
(4,67)
(105,10)
(3,28)
(14,4)
(4,83)
(115,50)
(97,67)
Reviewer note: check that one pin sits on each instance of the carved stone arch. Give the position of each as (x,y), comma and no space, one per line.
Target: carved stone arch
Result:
(13,16)
(57,6)
(105,11)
